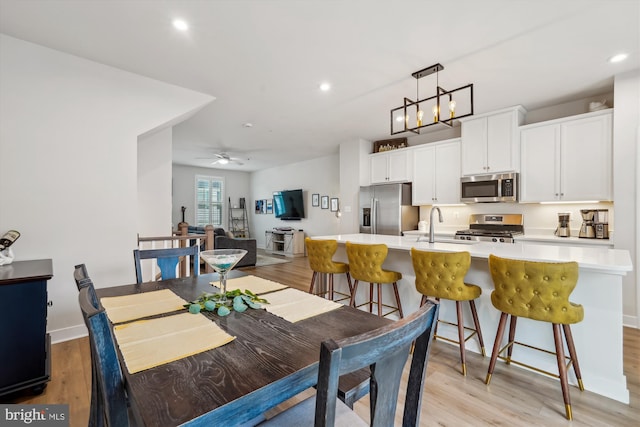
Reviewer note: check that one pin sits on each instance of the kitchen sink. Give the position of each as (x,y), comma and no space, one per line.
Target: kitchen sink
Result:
(425,239)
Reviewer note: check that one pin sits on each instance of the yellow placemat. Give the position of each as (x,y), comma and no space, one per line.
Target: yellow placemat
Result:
(294,305)
(137,306)
(257,285)
(148,343)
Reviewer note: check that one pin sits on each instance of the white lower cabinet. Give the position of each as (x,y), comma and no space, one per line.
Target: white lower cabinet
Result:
(436,173)
(567,159)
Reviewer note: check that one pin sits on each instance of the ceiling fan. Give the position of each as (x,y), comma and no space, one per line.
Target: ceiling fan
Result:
(224,159)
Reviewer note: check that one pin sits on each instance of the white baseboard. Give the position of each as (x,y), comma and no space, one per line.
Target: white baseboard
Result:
(66,334)
(630,321)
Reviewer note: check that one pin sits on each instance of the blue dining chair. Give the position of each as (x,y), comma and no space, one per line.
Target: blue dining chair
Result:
(96,418)
(385,350)
(109,378)
(167,260)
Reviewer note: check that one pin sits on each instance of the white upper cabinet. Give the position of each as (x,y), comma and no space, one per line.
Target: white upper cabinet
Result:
(436,173)
(490,142)
(391,166)
(567,159)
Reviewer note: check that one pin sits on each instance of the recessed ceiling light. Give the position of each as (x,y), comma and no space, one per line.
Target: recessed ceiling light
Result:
(248,125)
(325,86)
(619,57)
(181,25)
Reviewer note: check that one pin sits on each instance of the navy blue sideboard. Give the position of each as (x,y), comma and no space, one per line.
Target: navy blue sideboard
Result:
(25,346)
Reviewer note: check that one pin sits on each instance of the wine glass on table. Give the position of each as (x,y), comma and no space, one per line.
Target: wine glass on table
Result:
(223,260)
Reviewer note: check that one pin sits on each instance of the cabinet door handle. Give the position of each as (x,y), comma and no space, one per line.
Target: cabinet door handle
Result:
(50,303)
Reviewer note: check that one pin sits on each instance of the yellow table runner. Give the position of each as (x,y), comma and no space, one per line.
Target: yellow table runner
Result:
(136,306)
(255,284)
(294,305)
(148,343)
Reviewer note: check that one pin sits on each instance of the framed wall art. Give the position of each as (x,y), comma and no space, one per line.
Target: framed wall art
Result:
(334,204)
(315,200)
(325,202)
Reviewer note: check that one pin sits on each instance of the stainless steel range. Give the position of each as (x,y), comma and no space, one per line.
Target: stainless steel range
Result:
(492,228)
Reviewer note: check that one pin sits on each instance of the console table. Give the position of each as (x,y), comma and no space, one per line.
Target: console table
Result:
(284,242)
(26,347)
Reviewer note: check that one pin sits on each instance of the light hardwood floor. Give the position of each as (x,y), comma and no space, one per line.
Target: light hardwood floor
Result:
(515,397)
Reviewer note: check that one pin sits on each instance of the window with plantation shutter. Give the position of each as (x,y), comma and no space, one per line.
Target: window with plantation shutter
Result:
(209,197)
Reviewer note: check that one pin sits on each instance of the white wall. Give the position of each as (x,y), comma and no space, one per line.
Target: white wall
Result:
(184,179)
(320,176)
(68,156)
(354,170)
(626,190)
(154,184)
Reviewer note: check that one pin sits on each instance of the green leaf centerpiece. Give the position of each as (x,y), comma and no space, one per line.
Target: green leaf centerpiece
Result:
(215,302)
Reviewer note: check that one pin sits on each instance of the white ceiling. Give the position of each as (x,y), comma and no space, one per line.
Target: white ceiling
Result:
(263,60)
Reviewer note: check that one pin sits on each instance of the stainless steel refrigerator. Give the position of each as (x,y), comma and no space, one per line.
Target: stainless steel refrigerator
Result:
(386,209)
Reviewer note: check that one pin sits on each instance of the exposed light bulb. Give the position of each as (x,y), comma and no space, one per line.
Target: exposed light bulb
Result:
(436,113)
(452,109)
(325,86)
(420,115)
(399,118)
(223,161)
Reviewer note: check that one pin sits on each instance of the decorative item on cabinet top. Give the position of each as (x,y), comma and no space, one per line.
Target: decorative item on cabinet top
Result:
(389,144)
(410,116)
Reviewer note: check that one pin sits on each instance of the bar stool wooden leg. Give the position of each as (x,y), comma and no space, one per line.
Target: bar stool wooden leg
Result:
(461,337)
(379,299)
(351,290)
(476,323)
(435,330)
(496,346)
(370,297)
(562,369)
(313,281)
(423,301)
(331,286)
(512,337)
(353,293)
(397,294)
(574,356)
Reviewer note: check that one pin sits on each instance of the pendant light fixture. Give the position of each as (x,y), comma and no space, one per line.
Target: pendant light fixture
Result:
(445,106)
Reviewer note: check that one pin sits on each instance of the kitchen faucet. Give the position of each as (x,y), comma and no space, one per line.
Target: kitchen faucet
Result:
(431,237)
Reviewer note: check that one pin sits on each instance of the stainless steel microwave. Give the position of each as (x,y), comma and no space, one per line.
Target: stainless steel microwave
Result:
(489,188)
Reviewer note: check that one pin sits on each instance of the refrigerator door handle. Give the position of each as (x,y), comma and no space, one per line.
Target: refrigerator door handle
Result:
(374,216)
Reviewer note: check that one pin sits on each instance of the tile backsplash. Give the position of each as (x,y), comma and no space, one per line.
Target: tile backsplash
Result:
(538,218)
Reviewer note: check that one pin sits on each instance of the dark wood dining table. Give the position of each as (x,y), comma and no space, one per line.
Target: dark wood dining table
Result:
(270,361)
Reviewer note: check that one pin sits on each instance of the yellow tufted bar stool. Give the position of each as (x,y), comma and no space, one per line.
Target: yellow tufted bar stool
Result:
(441,275)
(538,291)
(320,254)
(365,264)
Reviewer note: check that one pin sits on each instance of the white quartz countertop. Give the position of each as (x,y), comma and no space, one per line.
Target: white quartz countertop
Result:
(616,261)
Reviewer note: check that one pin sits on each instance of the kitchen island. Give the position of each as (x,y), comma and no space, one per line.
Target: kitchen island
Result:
(598,338)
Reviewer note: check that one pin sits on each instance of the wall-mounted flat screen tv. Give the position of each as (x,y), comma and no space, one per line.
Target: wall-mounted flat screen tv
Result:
(288,204)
